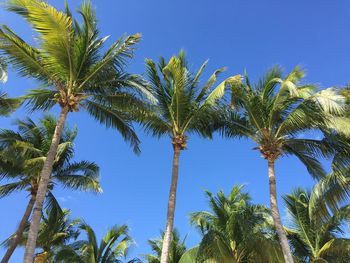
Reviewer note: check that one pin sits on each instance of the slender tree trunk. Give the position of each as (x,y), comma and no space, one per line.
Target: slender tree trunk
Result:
(44,180)
(287,254)
(19,233)
(171,207)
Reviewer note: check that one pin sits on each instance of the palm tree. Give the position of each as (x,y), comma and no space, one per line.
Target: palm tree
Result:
(315,239)
(235,230)
(56,229)
(7,105)
(112,248)
(23,154)
(276,119)
(182,108)
(177,248)
(75,74)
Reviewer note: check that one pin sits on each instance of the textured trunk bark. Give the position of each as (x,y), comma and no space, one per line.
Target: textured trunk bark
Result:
(287,254)
(44,180)
(171,207)
(20,229)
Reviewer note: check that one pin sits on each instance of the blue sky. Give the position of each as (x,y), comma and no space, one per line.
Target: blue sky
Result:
(251,35)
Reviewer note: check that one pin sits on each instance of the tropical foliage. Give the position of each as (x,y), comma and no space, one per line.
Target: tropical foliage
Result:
(23,153)
(177,248)
(313,238)
(183,106)
(75,70)
(56,229)
(112,248)
(235,230)
(275,113)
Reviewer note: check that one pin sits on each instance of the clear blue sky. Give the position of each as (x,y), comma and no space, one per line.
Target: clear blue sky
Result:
(249,34)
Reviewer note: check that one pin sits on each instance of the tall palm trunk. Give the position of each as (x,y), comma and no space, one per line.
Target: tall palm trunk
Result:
(19,233)
(44,180)
(171,206)
(287,254)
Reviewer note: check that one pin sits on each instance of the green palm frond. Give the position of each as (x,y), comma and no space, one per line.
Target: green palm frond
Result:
(7,189)
(114,118)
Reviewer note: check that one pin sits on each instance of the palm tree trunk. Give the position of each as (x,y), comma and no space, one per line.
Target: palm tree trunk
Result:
(19,233)
(171,207)
(44,180)
(276,215)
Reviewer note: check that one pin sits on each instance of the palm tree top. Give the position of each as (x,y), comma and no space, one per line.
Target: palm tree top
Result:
(56,230)
(23,153)
(113,247)
(177,248)
(278,110)
(73,67)
(183,105)
(313,237)
(235,229)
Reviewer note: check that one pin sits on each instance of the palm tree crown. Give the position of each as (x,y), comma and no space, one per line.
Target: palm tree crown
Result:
(235,230)
(182,105)
(70,64)
(56,229)
(277,111)
(177,248)
(24,152)
(112,248)
(313,238)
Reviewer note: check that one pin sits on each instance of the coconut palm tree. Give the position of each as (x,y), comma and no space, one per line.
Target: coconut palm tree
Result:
(7,105)
(112,248)
(75,74)
(275,113)
(23,154)
(182,108)
(177,248)
(235,230)
(56,229)
(315,239)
